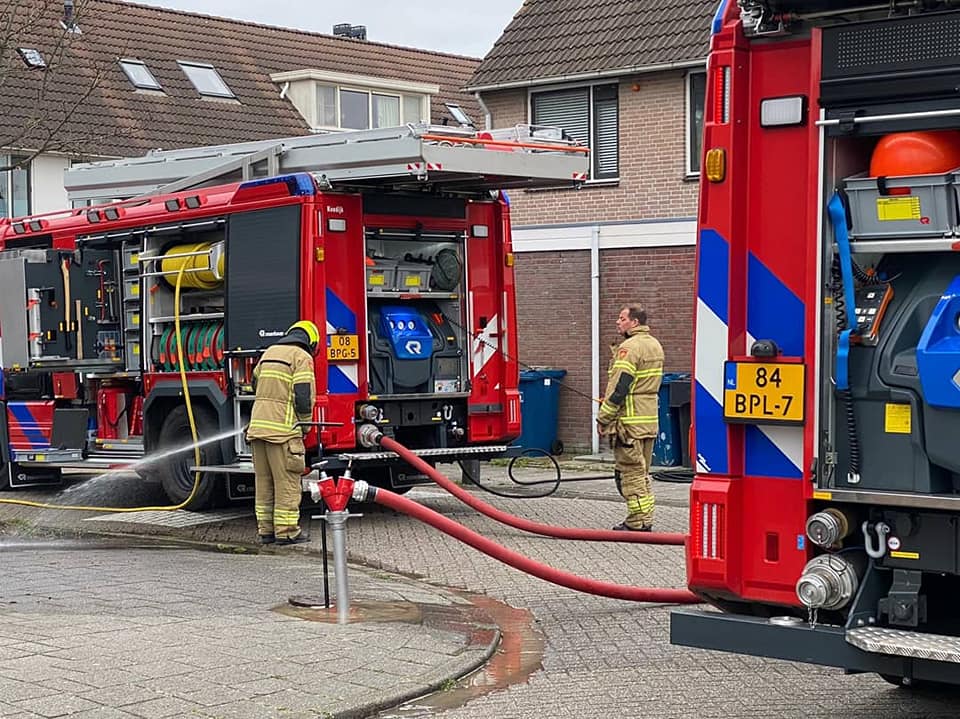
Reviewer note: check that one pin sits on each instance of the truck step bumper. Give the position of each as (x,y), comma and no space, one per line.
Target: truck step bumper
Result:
(901,643)
(824,645)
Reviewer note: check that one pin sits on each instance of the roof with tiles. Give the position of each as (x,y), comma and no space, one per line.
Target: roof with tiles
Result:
(111,117)
(553,40)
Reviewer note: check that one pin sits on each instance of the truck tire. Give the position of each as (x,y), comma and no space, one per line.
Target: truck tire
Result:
(174,471)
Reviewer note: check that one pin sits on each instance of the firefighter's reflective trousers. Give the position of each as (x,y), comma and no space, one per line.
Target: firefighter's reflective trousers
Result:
(633,463)
(278,468)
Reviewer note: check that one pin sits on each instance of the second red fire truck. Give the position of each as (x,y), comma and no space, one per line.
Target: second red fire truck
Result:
(396,243)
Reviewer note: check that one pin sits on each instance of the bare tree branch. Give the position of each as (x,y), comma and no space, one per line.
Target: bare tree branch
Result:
(59,92)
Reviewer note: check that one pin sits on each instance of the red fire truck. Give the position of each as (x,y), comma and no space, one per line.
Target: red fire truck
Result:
(825,509)
(396,241)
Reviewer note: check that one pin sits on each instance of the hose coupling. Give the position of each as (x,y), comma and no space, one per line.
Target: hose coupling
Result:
(362,491)
(369,435)
(368,412)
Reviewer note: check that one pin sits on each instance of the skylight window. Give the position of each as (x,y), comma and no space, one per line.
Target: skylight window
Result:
(206,79)
(32,57)
(459,115)
(139,75)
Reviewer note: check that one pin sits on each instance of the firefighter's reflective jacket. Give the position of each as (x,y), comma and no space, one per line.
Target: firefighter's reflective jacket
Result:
(629,407)
(286,391)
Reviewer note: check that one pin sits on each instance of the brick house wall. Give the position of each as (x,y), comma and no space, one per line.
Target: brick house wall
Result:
(553,287)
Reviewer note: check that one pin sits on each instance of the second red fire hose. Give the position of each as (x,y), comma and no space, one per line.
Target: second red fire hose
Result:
(595,535)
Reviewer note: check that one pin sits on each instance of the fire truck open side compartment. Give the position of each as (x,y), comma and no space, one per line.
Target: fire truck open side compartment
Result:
(395,243)
(824,510)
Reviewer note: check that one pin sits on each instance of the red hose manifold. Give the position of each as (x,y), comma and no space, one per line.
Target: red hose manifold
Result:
(547,530)
(363,492)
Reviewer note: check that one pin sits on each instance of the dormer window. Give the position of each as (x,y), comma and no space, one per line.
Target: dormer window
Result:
(139,75)
(206,79)
(335,101)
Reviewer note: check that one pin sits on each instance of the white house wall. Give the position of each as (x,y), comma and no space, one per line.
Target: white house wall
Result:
(677,232)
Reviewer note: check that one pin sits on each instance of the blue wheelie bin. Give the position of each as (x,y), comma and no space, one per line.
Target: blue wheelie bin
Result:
(669,446)
(540,405)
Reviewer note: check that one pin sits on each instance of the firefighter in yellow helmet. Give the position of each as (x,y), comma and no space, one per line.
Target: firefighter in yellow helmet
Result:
(628,414)
(286,392)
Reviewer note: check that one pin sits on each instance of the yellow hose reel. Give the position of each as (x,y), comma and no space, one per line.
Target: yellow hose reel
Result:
(203,265)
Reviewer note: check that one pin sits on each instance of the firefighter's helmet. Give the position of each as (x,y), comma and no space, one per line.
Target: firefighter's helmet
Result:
(313,334)
(916,153)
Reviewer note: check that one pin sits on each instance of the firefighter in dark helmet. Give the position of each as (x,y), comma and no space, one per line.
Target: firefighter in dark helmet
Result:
(628,414)
(286,391)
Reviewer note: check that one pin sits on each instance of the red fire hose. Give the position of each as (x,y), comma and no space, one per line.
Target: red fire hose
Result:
(594,535)
(525,564)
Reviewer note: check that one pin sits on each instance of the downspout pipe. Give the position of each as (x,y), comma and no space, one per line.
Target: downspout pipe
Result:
(594,335)
(487,117)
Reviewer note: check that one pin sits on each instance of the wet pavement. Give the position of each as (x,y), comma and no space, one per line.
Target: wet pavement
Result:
(161,614)
(185,632)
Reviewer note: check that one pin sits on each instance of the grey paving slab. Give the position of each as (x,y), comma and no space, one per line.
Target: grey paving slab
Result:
(211,640)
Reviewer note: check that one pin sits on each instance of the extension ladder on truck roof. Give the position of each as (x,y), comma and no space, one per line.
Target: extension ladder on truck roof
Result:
(452,160)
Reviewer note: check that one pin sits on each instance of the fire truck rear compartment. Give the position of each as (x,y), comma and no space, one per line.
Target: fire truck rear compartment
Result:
(907,436)
(416,279)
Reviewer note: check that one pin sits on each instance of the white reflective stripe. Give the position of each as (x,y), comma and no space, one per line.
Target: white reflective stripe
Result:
(351,372)
(789,440)
(504,332)
(711,352)
(486,344)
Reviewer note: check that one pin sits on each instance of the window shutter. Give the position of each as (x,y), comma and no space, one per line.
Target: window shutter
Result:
(566,109)
(606,133)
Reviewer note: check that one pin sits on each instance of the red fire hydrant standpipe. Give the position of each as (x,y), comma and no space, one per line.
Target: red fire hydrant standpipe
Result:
(375,437)
(364,492)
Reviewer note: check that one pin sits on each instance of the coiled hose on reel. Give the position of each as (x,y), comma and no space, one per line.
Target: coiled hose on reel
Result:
(202,264)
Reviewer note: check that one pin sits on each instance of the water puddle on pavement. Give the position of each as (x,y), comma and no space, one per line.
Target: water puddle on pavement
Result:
(518,655)
(13,543)
(516,658)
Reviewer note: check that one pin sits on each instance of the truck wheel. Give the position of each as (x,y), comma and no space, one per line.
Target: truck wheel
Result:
(174,471)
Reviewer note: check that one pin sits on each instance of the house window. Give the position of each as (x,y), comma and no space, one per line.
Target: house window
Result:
(206,79)
(412,109)
(326,106)
(589,115)
(14,186)
(354,110)
(351,109)
(696,98)
(385,110)
(139,75)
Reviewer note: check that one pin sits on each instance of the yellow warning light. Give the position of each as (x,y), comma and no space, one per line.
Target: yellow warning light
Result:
(508,259)
(716,164)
